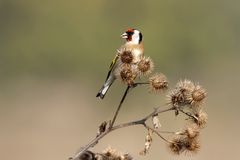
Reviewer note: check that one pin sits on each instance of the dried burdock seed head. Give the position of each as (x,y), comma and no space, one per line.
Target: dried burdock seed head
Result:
(109,151)
(192,131)
(145,66)
(193,145)
(127,74)
(177,145)
(148,143)
(186,93)
(176,98)
(185,85)
(192,93)
(158,82)
(184,144)
(183,89)
(112,154)
(198,95)
(201,118)
(156,122)
(126,56)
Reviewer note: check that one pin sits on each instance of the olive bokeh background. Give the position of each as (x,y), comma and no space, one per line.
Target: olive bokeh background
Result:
(54,55)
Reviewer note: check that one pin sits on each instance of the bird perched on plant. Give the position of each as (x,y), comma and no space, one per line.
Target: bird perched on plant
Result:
(134,46)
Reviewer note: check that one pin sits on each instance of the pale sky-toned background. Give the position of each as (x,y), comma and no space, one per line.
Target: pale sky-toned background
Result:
(54,56)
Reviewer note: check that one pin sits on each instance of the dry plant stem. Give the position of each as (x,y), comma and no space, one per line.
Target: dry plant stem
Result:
(167,132)
(123,125)
(119,107)
(141,83)
(156,132)
(188,114)
(122,100)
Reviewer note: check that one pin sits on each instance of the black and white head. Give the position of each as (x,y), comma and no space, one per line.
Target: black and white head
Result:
(133,36)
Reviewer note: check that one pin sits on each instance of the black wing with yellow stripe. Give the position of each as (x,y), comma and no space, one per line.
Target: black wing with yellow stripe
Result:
(112,65)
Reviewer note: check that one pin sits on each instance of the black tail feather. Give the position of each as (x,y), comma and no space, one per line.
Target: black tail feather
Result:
(103,91)
(100,95)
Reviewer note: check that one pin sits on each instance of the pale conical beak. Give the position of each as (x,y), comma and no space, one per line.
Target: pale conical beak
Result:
(124,35)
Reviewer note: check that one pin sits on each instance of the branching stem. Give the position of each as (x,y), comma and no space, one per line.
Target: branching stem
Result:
(122,100)
(123,125)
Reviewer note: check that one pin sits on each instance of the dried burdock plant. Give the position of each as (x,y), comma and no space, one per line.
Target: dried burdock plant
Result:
(183,143)
(127,74)
(112,154)
(197,96)
(186,95)
(145,66)
(191,131)
(158,82)
(186,140)
(200,118)
(186,98)
(180,96)
(126,56)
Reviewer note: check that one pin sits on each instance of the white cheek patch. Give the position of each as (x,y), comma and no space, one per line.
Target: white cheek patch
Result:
(135,37)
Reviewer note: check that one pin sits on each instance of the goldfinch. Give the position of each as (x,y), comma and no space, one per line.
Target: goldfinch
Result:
(134,43)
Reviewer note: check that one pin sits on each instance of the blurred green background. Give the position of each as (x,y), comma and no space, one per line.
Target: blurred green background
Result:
(54,55)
